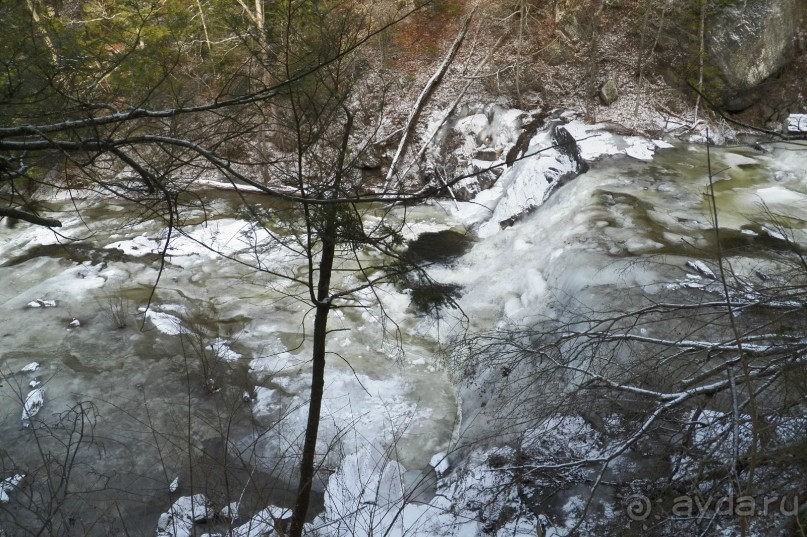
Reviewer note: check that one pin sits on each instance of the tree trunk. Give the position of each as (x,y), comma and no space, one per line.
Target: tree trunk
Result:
(307,463)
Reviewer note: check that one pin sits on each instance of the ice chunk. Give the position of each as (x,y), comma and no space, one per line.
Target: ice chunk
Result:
(165,322)
(33,366)
(41,303)
(9,484)
(33,403)
(797,123)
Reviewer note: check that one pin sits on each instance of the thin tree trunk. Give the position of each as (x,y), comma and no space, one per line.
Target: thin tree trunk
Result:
(54,55)
(307,467)
(204,25)
(322,301)
(701,38)
(522,21)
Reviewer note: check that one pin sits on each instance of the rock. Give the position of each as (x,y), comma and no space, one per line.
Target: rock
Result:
(555,53)
(75,323)
(571,20)
(370,159)
(749,41)
(33,366)
(567,145)
(487,154)
(467,189)
(609,92)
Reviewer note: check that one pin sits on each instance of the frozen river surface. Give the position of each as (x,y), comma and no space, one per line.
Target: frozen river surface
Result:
(104,403)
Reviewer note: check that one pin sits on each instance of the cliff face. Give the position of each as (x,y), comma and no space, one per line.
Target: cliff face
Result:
(750,42)
(746,56)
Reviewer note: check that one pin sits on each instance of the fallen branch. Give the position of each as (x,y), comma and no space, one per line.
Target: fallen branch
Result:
(29,217)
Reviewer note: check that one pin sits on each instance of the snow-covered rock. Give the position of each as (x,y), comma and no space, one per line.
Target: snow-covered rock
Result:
(33,366)
(550,158)
(229,512)
(700,267)
(178,521)
(263,522)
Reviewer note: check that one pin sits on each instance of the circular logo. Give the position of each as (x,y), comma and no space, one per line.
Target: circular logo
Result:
(638,507)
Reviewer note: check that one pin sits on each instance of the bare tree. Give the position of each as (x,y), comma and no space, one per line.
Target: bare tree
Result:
(296,133)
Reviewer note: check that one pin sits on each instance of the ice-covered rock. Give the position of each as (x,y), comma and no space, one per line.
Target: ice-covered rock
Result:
(551,158)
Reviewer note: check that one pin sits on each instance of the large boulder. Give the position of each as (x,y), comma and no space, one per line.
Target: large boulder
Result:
(749,41)
(609,92)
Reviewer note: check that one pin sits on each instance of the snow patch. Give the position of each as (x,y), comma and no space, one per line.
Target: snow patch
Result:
(222,350)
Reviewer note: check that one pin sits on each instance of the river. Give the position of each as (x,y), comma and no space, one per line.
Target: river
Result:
(127,404)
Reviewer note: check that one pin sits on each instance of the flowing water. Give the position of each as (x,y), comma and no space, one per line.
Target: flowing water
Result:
(128,400)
